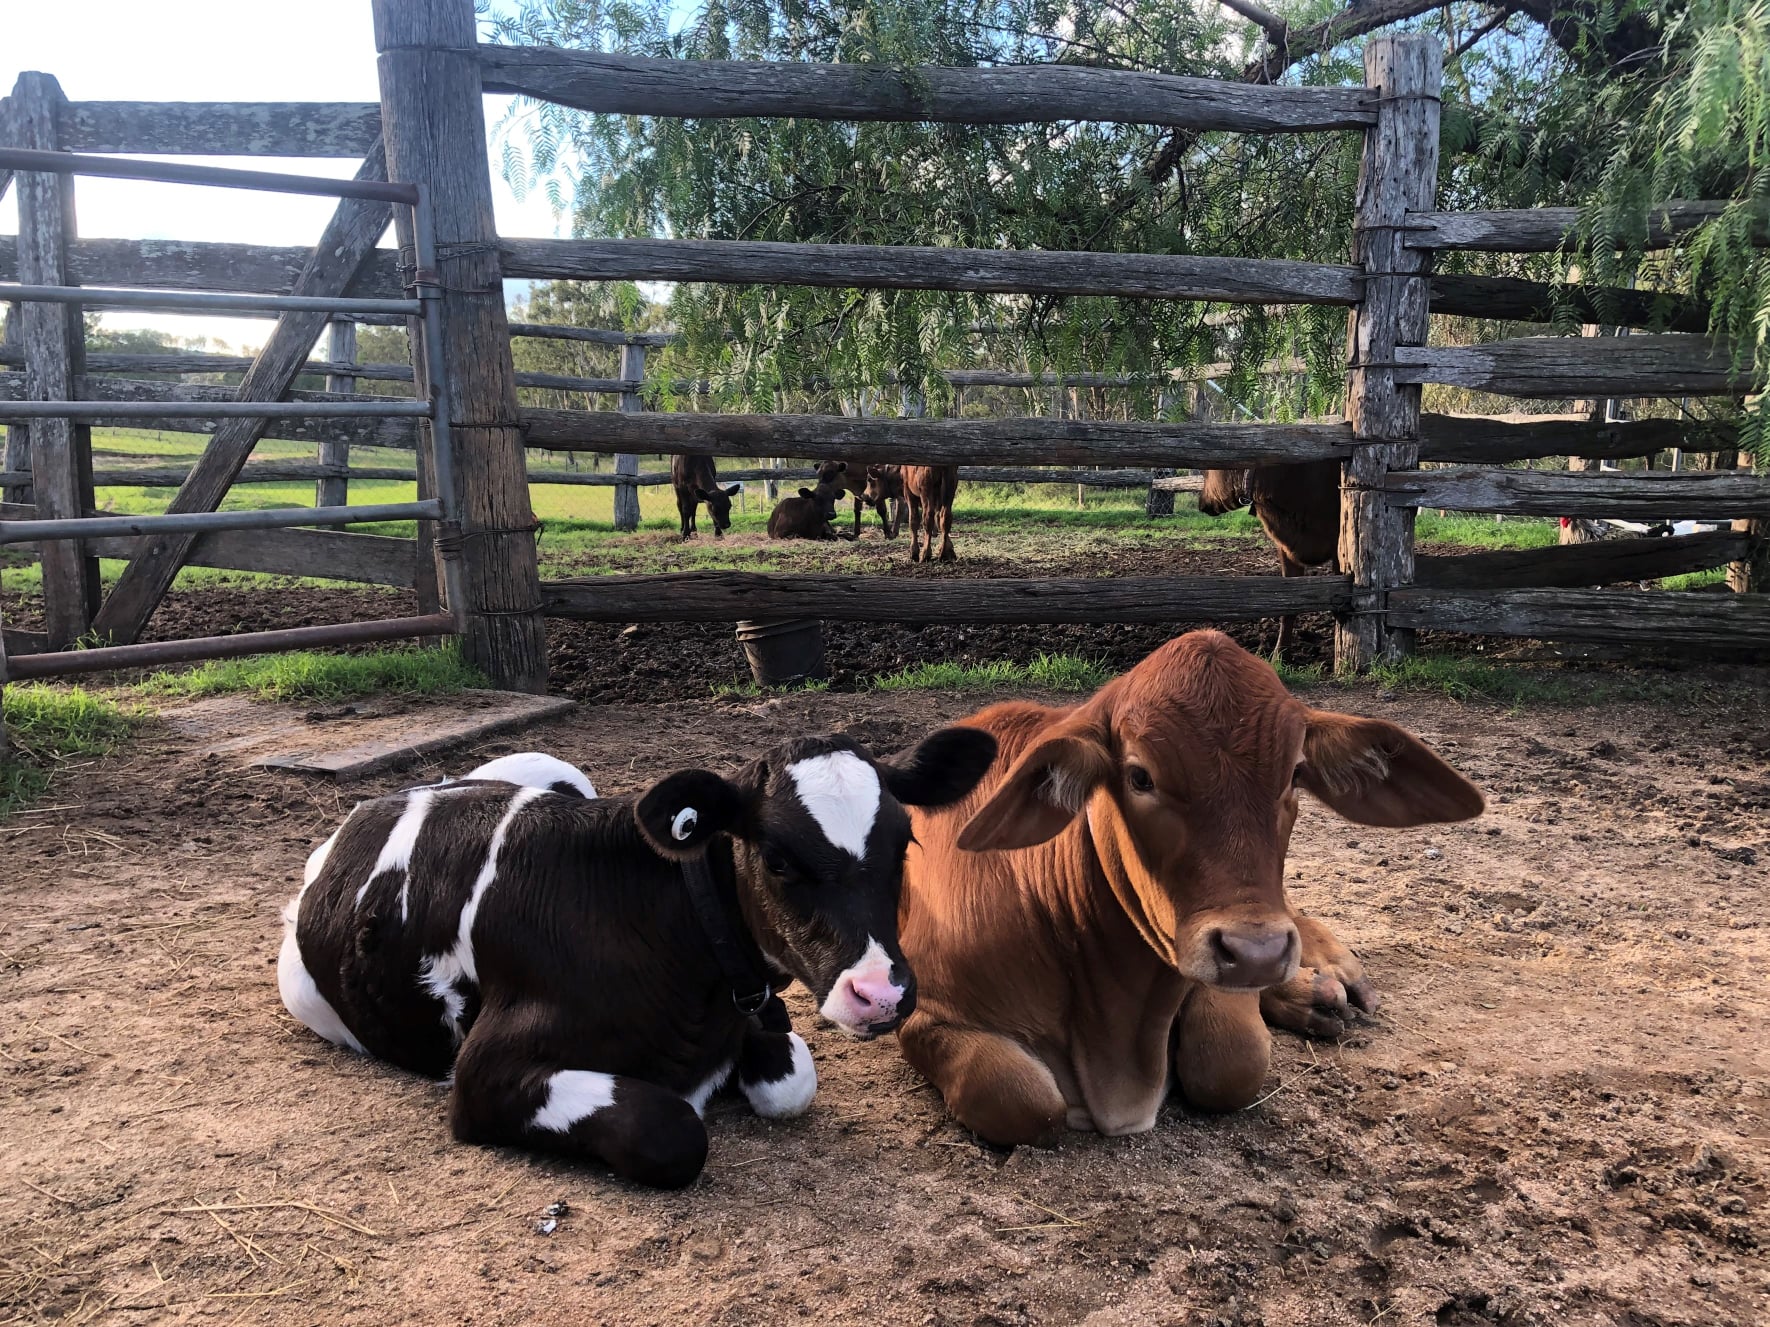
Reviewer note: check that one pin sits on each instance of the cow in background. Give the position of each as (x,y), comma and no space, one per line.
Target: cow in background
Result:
(930,490)
(1105,914)
(872,486)
(696,480)
(587,972)
(1298,506)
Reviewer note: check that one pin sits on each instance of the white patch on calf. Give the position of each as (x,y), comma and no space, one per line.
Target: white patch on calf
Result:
(300,996)
(441,973)
(533,769)
(701,1095)
(316,860)
(396,853)
(573,1095)
(790,1096)
(841,791)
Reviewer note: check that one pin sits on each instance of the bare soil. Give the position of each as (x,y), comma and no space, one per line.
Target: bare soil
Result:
(1560,1116)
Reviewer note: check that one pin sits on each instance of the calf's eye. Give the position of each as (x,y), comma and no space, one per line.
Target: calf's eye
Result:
(1139,779)
(774,860)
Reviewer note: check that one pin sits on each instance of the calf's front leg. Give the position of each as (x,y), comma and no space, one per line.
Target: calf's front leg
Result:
(509,1091)
(776,1074)
(1330,983)
(993,1085)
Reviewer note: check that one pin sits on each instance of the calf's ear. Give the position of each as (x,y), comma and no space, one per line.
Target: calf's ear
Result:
(941,769)
(1045,790)
(732,492)
(681,812)
(806,493)
(1376,773)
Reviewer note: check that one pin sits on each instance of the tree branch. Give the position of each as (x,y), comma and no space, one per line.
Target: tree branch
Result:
(1268,22)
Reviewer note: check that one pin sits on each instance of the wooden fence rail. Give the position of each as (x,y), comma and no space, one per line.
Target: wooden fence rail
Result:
(1575,566)
(196,265)
(223,128)
(1672,365)
(1696,495)
(1545,229)
(1640,620)
(731,596)
(1001,94)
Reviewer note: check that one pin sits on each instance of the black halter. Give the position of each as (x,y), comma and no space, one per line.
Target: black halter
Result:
(733,946)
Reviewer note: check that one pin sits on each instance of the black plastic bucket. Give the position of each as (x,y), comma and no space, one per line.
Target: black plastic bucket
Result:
(783,652)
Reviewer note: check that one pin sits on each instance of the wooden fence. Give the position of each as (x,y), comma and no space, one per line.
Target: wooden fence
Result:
(429,125)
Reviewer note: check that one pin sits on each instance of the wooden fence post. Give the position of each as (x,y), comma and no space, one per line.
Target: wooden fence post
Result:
(1399,174)
(433,120)
(334,490)
(55,353)
(632,403)
(17,454)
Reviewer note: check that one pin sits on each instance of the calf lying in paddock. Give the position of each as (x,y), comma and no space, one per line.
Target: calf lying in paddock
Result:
(1106,914)
(592,970)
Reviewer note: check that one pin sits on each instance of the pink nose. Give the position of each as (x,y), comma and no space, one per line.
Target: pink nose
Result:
(873,998)
(1254,957)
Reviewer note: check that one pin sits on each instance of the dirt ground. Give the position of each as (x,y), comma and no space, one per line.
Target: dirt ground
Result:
(1560,1116)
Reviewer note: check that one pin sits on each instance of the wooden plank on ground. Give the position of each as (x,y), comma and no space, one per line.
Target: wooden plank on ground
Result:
(729,596)
(347,242)
(1624,495)
(1636,618)
(1573,566)
(482,714)
(994,94)
(938,441)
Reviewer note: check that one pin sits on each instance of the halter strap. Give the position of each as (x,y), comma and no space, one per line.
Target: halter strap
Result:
(735,949)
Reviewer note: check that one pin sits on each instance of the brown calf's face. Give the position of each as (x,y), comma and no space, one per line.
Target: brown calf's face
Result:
(819,833)
(1188,768)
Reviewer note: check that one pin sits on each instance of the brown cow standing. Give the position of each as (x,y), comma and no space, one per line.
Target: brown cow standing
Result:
(1109,902)
(696,480)
(930,490)
(806,515)
(1299,508)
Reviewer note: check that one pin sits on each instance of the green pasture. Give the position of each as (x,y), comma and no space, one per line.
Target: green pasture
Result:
(1024,528)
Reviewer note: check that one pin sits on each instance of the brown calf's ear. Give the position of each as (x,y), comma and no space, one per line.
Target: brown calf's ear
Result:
(806,493)
(682,811)
(733,491)
(1376,773)
(1045,790)
(941,769)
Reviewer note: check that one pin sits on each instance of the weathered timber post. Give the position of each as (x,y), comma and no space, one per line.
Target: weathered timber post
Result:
(433,120)
(1160,501)
(632,403)
(17,455)
(1399,174)
(1751,574)
(55,363)
(334,490)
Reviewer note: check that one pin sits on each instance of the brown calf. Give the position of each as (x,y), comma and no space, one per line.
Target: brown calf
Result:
(696,480)
(1299,508)
(1110,901)
(806,515)
(930,490)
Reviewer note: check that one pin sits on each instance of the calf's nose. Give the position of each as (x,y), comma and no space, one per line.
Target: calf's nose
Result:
(873,994)
(1254,957)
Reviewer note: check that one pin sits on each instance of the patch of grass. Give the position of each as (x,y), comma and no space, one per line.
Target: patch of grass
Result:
(1055,672)
(1471,531)
(1462,678)
(307,675)
(751,690)
(48,724)
(1695,580)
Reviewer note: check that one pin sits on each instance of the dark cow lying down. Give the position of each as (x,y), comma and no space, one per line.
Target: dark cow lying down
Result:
(578,964)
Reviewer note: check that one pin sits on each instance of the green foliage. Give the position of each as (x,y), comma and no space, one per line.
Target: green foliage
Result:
(1054,672)
(48,724)
(306,675)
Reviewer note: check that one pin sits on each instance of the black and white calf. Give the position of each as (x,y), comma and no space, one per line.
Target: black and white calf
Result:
(577,962)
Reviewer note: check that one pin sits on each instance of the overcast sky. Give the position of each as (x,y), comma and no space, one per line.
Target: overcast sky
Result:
(213,50)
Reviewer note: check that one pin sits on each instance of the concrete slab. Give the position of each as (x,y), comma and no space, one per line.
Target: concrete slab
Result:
(354,739)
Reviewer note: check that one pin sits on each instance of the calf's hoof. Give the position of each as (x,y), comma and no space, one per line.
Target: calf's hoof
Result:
(1318,1002)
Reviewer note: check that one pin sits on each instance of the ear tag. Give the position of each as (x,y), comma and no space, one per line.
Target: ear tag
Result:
(682,827)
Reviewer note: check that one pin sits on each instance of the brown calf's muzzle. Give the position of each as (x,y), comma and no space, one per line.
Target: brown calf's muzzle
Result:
(1246,947)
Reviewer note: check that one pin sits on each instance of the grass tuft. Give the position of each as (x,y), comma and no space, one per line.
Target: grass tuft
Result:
(48,724)
(307,675)
(1055,672)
